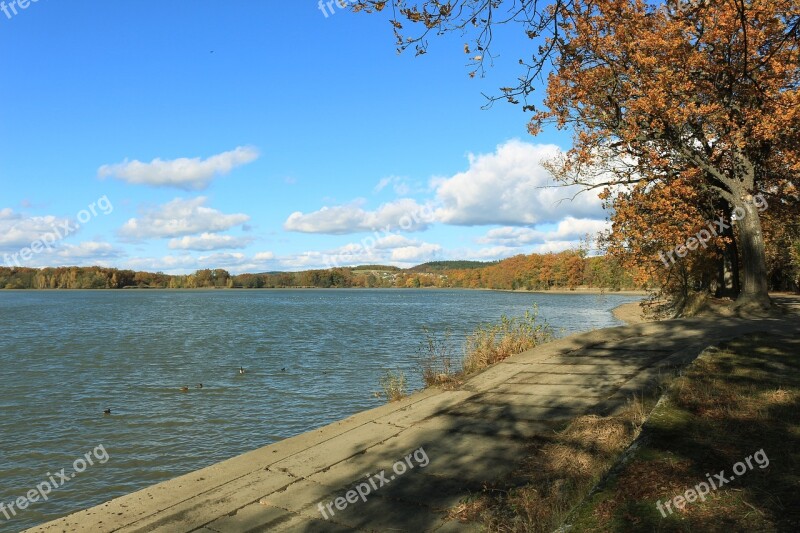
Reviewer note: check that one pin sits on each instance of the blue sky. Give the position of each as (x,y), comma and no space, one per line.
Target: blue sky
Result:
(262,135)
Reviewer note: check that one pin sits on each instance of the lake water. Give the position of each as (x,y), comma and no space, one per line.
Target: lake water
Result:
(67,356)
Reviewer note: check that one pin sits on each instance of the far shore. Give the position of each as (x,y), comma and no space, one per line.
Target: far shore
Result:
(581,290)
(626,292)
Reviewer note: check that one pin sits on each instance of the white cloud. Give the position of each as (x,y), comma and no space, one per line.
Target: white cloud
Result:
(418,253)
(222,260)
(553,247)
(485,254)
(304,260)
(169,264)
(183,173)
(383,184)
(179,218)
(91,251)
(510,187)
(393,241)
(506,187)
(209,241)
(404,213)
(570,229)
(388,250)
(399,185)
(186,263)
(19,231)
(87,253)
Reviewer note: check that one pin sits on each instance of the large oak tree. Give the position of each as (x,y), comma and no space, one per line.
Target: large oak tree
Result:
(703,93)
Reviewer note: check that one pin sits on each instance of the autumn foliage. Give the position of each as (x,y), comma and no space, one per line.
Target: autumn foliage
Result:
(565,270)
(680,111)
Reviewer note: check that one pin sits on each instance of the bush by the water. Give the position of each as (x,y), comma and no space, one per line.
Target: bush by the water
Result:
(488,344)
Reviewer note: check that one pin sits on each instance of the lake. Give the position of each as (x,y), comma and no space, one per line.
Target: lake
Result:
(311,357)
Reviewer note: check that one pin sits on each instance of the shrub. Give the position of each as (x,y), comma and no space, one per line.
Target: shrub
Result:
(435,356)
(491,343)
(393,385)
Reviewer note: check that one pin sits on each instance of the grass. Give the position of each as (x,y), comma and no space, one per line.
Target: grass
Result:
(436,360)
(487,345)
(557,472)
(393,385)
(729,404)
(492,343)
(600,474)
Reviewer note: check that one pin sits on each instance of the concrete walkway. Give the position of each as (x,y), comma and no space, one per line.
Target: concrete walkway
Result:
(469,437)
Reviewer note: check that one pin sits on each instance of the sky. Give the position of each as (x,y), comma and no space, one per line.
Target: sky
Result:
(262,136)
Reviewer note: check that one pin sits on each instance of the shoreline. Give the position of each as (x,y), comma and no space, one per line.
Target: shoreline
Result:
(630,313)
(590,291)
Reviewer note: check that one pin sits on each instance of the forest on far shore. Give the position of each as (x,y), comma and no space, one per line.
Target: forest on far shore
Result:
(564,270)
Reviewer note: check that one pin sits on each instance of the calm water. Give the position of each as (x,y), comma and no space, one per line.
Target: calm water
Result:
(66,356)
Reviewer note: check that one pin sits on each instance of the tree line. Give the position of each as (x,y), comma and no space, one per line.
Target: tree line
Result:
(563,270)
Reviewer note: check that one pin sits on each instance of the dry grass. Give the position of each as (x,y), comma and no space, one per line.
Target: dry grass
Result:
(492,343)
(393,385)
(728,404)
(559,471)
(439,366)
(487,345)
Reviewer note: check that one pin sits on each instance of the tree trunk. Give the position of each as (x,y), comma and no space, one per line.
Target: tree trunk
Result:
(754,264)
(733,263)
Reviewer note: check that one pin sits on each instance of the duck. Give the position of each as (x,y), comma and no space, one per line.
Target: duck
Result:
(106,411)
(241,370)
(184,389)
(199,385)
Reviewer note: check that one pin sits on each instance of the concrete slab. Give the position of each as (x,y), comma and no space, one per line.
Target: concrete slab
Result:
(203,508)
(434,492)
(426,408)
(628,355)
(536,400)
(549,389)
(377,514)
(619,363)
(580,368)
(550,378)
(253,517)
(301,524)
(337,449)
(512,429)
(487,411)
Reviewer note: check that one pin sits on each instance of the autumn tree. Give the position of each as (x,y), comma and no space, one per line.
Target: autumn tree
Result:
(702,91)
(706,95)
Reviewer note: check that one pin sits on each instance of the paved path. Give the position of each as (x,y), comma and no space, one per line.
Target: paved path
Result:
(469,437)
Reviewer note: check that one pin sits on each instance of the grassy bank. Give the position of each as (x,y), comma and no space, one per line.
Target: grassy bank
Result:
(735,407)
(557,473)
(735,410)
(440,365)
